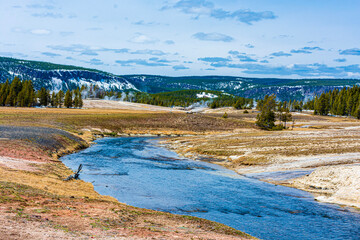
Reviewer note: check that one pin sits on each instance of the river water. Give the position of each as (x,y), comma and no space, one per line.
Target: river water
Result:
(139,172)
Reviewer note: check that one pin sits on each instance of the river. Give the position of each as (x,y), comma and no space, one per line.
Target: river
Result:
(139,172)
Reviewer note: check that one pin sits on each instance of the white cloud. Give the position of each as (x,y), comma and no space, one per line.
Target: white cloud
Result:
(40,31)
(142,38)
(217,37)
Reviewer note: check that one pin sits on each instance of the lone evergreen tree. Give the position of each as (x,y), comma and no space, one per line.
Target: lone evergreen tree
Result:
(266,118)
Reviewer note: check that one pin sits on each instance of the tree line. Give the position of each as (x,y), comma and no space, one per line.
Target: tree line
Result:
(22,94)
(232,101)
(344,102)
(186,98)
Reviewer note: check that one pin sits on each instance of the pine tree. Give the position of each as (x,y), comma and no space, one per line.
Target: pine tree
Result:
(80,104)
(357,114)
(68,99)
(30,96)
(26,97)
(286,117)
(322,105)
(60,98)
(10,98)
(15,88)
(240,104)
(43,97)
(4,91)
(266,118)
(53,101)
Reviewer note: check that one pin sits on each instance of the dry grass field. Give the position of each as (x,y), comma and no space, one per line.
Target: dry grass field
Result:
(116,121)
(35,197)
(250,147)
(36,202)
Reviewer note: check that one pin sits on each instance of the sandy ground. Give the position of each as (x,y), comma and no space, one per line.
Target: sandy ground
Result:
(111,104)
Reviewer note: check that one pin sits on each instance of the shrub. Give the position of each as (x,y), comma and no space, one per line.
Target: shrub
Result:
(278,127)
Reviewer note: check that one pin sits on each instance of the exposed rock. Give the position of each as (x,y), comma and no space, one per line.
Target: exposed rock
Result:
(336,184)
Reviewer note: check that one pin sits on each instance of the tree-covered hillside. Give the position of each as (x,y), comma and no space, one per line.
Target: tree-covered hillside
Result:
(62,77)
(57,77)
(187,98)
(22,94)
(284,89)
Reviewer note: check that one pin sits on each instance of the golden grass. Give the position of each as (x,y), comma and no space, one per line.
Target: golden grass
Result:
(329,135)
(249,161)
(118,121)
(50,179)
(74,205)
(85,217)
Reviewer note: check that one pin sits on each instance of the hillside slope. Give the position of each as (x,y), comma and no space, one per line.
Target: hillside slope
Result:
(284,89)
(56,77)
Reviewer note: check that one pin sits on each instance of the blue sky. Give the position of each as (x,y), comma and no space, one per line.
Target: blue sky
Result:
(249,38)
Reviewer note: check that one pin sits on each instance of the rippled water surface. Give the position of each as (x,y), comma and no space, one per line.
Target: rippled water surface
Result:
(138,172)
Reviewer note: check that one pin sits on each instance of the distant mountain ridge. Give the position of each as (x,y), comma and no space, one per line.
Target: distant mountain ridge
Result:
(60,77)
(284,89)
(56,77)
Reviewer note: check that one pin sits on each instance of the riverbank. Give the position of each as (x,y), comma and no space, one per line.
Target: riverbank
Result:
(36,202)
(234,143)
(139,172)
(314,143)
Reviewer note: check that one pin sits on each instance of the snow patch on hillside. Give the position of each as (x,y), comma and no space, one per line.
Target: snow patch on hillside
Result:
(107,86)
(13,73)
(206,95)
(56,84)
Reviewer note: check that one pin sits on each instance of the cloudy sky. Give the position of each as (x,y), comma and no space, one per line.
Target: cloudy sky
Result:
(250,38)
